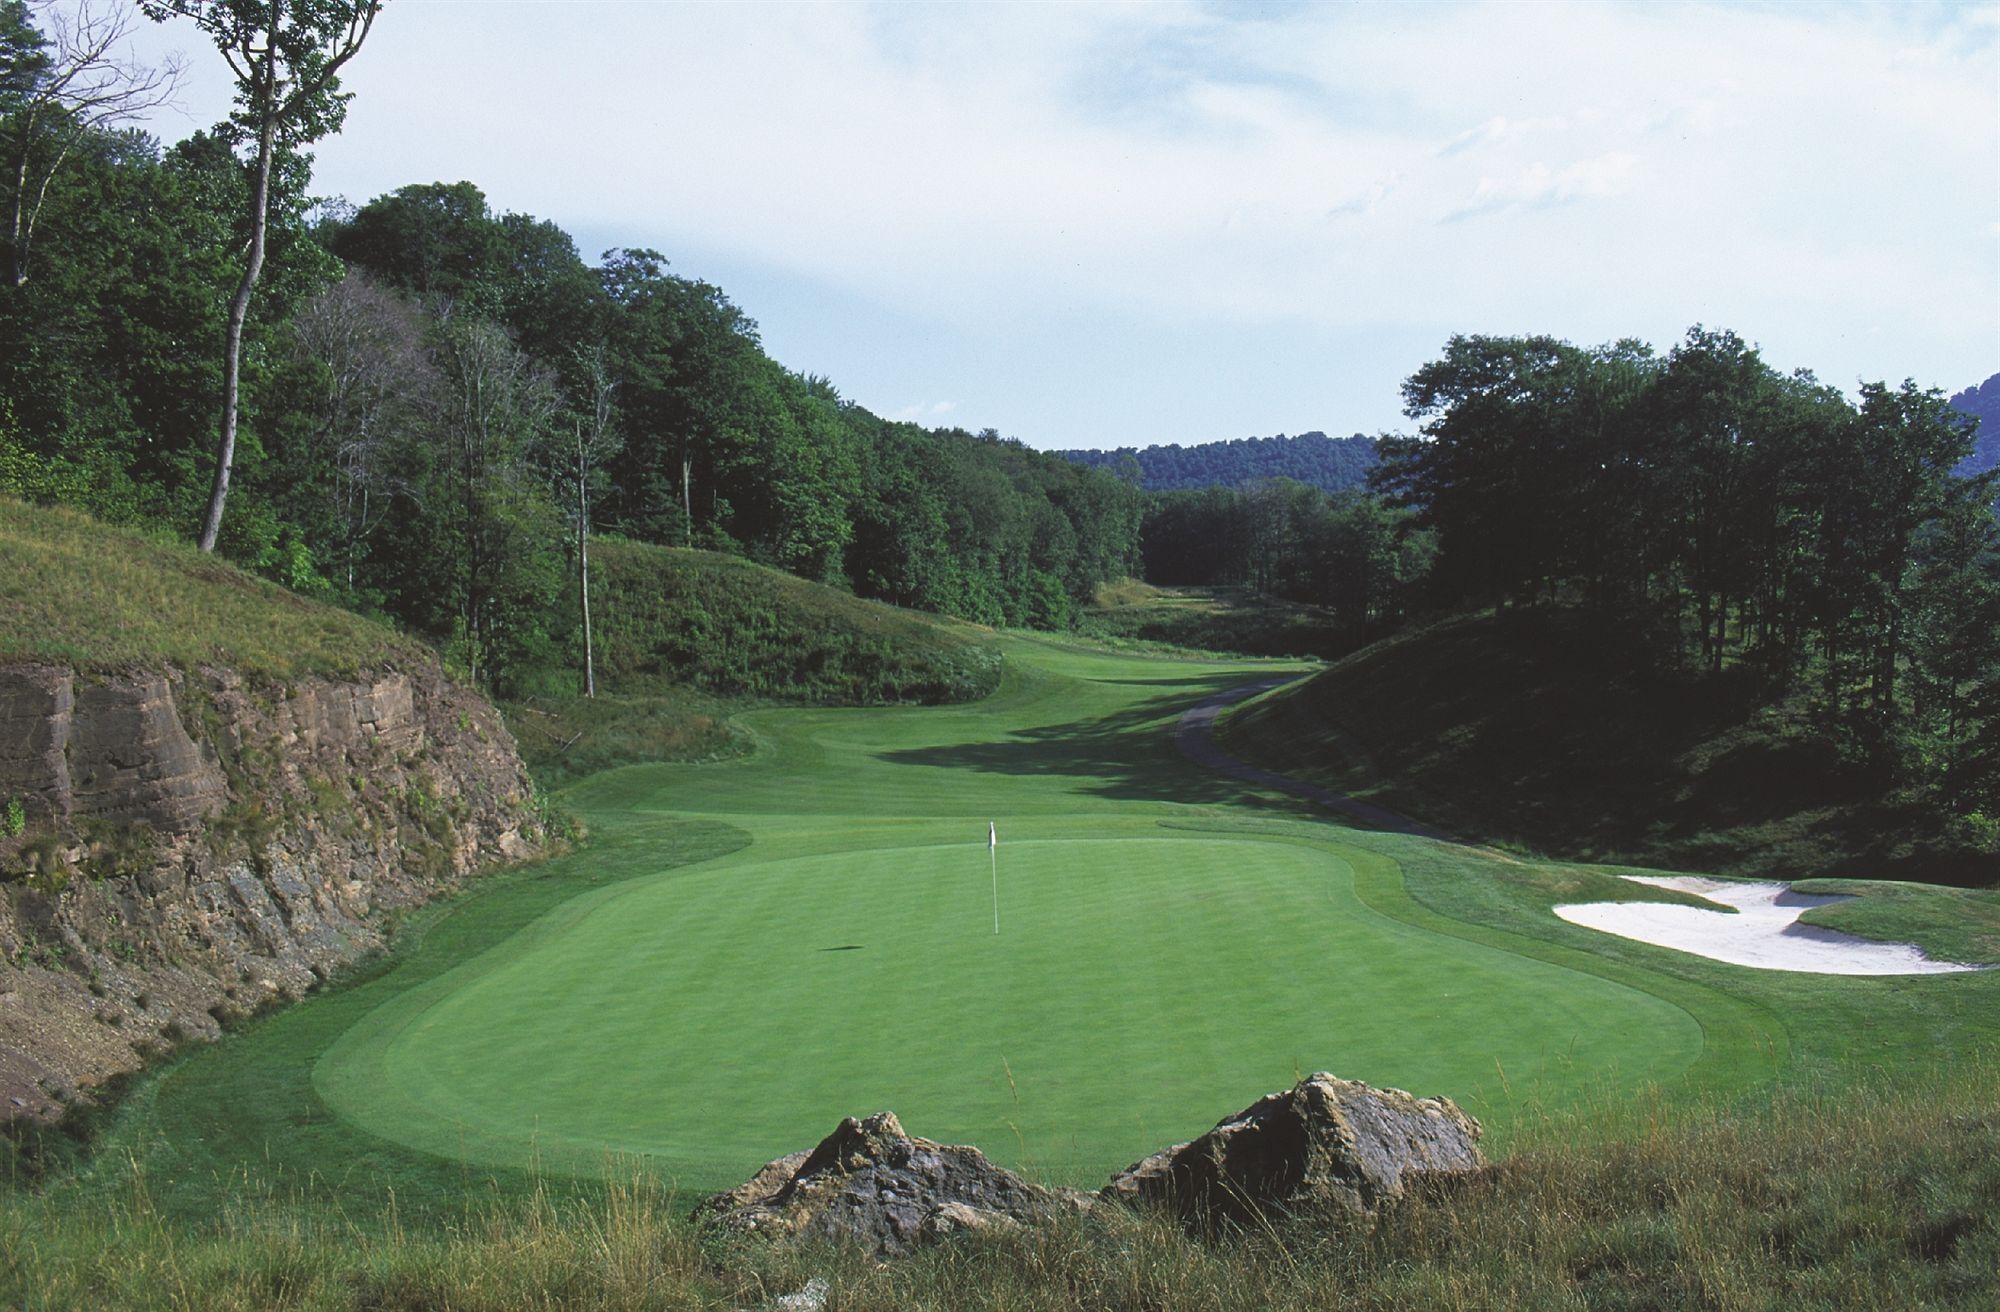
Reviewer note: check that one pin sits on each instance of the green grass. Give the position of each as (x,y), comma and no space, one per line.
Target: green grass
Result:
(1174,943)
(80,593)
(755,946)
(1139,978)
(564,739)
(1535,730)
(1141,617)
(671,618)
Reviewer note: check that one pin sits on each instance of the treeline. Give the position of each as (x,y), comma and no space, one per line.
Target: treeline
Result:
(1729,520)
(439,402)
(1331,464)
(1350,552)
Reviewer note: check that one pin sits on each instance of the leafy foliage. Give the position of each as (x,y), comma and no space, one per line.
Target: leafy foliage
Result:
(1331,464)
(1709,507)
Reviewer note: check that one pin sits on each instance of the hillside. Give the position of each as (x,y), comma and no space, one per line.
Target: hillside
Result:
(685,638)
(1221,619)
(86,594)
(1328,463)
(1532,730)
(724,625)
(1982,402)
(212,791)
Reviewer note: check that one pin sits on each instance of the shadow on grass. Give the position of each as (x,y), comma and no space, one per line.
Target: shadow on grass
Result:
(1128,755)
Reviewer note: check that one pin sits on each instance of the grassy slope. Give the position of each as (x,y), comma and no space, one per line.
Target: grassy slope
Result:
(726,626)
(1141,616)
(1525,730)
(77,592)
(685,639)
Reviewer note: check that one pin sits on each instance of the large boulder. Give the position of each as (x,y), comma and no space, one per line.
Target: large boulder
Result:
(1325,1141)
(870,1183)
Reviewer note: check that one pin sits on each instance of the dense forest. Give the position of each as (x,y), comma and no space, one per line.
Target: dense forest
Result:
(439,402)
(1708,510)
(1982,403)
(1331,464)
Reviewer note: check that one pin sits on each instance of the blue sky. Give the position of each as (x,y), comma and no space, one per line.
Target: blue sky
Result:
(1098,225)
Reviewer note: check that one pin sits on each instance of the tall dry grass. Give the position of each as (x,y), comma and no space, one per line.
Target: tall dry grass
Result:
(1886,1196)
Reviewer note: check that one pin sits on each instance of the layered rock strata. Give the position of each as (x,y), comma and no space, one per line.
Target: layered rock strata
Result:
(193,848)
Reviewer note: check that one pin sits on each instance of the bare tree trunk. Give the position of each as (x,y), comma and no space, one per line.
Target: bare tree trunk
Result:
(17,250)
(687,500)
(583,572)
(239,310)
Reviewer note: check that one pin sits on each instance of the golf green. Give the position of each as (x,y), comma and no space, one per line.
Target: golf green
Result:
(1145,979)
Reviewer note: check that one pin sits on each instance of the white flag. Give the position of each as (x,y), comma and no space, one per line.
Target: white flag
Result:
(992,836)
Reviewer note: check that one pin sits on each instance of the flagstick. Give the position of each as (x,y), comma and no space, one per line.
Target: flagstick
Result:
(993,853)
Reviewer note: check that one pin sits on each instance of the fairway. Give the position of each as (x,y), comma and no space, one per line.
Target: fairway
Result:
(1147,978)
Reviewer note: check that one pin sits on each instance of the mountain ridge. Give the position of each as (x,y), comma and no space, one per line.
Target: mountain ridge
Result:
(1982,402)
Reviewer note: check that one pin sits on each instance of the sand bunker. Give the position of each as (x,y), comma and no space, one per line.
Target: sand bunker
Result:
(1765,931)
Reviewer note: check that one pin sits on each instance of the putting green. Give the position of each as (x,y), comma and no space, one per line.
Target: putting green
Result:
(1145,979)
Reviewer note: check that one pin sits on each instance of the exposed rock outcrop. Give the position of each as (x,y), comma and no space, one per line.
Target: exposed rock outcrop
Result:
(197,847)
(1323,1142)
(870,1183)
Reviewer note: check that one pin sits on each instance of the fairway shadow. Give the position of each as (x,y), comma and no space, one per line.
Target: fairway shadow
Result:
(1129,755)
(845,947)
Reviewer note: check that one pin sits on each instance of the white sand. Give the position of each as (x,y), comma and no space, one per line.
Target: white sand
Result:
(1765,931)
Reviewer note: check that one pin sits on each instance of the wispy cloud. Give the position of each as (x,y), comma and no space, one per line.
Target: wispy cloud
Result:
(1540,187)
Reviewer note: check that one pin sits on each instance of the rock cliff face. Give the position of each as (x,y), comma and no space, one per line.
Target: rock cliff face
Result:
(193,848)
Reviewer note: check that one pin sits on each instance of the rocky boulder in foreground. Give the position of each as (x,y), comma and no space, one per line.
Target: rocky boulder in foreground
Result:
(1325,1141)
(872,1184)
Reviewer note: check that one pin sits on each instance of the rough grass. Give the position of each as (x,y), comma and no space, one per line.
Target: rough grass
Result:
(1536,731)
(77,592)
(1886,1195)
(1140,616)
(708,621)
(564,739)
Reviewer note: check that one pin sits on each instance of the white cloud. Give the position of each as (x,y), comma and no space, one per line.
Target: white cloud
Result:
(1538,186)
(1591,171)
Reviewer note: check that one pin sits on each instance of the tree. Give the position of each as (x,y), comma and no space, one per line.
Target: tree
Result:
(57,91)
(593,441)
(286,56)
(499,408)
(367,377)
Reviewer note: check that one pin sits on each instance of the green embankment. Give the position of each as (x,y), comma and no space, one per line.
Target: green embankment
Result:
(726,626)
(1536,730)
(1140,616)
(684,639)
(77,592)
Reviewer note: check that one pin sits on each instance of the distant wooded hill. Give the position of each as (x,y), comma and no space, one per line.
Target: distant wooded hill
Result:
(1329,463)
(1982,403)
